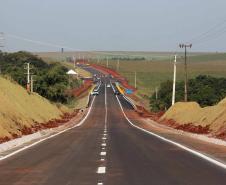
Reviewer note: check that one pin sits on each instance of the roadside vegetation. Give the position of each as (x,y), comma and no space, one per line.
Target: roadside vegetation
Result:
(205,90)
(158,68)
(51,80)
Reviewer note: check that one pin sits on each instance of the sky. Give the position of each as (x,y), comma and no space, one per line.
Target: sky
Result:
(113,25)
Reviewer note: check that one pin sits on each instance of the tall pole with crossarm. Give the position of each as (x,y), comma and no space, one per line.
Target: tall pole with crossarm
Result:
(185,46)
(174,79)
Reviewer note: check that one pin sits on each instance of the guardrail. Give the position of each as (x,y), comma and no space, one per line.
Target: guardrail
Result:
(124,96)
(130,102)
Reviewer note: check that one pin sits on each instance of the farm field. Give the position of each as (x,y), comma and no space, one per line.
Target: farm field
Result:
(156,68)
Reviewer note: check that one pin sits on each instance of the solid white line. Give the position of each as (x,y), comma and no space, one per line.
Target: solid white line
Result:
(200,155)
(52,136)
(103,153)
(106,110)
(101,170)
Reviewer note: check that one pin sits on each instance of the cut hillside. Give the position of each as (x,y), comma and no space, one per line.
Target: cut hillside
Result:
(182,115)
(20,110)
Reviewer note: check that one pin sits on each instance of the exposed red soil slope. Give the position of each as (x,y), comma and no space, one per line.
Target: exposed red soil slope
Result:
(77,92)
(41,126)
(116,75)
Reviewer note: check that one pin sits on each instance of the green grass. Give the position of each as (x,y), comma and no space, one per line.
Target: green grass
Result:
(150,74)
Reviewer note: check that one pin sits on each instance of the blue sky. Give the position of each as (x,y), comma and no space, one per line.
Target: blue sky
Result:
(131,25)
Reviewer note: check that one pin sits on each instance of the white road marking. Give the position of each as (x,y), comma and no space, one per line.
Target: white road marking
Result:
(103,144)
(106,110)
(49,137)
(105,131)
(196,153)
(102,159)
(103,153)
(103,148)
(104,138)
(99,183)
(104,134)
(101,170)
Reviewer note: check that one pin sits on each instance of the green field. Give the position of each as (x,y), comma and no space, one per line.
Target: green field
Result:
(156,68)
(151,73)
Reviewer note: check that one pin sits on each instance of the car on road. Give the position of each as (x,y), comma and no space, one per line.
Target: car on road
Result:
(108,85)
(117,92)
(95,92)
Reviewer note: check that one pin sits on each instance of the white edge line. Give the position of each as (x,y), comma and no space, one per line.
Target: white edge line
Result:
(47,138)
(200,155)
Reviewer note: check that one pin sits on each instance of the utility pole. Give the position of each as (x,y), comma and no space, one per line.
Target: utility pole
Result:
(135,80)
(74,60)
(107,62)
(174,79)
(118,65)
(1,45)
(156,93)
(185,69)
(2,41)
(28,68)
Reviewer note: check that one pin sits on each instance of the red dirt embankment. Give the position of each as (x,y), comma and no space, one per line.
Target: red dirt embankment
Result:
(80,91)
(116,75)
(41,126)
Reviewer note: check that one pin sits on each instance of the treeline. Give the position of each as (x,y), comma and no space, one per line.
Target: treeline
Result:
(51,80)
(206,90)
(128,58)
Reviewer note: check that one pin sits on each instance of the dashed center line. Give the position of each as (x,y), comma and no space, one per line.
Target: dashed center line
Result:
(103,144)
(103,153)
(100,183)
(101,170)
(104,138)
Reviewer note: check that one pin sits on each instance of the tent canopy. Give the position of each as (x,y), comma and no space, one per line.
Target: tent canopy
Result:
(71,72)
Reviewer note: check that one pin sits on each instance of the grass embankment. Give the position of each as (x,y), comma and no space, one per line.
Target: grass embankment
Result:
(21,110)
(186,116)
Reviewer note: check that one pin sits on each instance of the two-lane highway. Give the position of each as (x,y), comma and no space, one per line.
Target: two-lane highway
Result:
(70,158)
(107,150)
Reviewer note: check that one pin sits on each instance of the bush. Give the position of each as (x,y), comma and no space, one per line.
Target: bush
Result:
(205,90)
(51,80)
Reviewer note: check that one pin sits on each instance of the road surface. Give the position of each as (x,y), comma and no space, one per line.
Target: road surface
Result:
(107,150)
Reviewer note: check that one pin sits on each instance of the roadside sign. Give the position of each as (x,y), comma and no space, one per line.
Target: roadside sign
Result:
(129,91)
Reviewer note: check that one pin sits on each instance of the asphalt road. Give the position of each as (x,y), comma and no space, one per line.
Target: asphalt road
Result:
(107,150)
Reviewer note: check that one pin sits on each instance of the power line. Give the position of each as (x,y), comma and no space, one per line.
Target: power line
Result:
(214,32)
(39,42)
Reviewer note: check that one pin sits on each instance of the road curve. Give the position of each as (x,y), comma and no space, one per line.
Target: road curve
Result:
(107,150)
